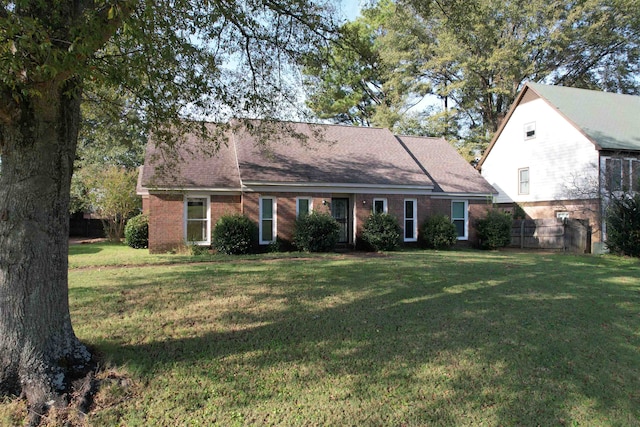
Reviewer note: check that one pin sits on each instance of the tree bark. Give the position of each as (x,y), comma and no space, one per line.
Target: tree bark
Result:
(39,351)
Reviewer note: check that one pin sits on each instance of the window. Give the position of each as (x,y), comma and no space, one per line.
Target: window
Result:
(410,223)
(621,174)
(303,206)
(460,218)
(379,205)
(267,220)
(523,181)
(197,224)
(635,175)
(614,177)
(530,130)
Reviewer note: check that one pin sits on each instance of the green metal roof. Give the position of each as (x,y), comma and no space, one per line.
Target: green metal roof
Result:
(611,120)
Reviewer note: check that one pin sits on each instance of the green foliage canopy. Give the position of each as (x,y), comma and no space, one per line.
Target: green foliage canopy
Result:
(344,81)
(170,60)
(475,56)
(111,194)
(175,63)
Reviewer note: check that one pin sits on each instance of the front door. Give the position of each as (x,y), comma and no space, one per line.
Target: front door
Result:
(340,211)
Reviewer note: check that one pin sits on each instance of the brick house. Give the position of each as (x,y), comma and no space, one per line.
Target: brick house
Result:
(562,151)
(347,171)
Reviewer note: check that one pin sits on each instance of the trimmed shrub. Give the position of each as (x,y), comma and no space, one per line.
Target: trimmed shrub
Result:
(623,225)
(494,230)
(234,234)
(382,232)
(136,232)
(438,232)
(316,232)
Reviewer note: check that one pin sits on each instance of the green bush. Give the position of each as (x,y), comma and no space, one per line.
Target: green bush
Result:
(382,232)
(623,225)
(494,230)
(438,232)
(316,232)
(234,234)
(136,232)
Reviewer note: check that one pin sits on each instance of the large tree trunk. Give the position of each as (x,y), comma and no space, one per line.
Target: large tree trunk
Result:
(39,351)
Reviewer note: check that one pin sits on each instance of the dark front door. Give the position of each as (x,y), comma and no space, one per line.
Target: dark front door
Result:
(340,211)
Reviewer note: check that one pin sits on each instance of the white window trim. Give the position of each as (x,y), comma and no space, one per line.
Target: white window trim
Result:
(207,197)
(520,192)
(384,205)
(309,199)
(466,218)
(414,218)
(274,219)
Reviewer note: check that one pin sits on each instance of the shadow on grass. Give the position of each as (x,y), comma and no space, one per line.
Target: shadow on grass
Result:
(84,249)
(525,338)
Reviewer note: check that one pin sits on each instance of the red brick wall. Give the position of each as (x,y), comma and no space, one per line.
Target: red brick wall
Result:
(166,228)
(145,205)
(285,209)
(250,206)
(476,209)
(224,205)
(166,222)
(395,207)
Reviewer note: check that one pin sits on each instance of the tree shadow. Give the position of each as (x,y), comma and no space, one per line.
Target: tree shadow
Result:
(518,336)
(84,249)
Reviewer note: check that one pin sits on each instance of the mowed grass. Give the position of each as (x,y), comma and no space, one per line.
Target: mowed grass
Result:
(401,339)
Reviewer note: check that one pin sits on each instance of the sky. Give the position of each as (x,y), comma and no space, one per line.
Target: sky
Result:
(350,8)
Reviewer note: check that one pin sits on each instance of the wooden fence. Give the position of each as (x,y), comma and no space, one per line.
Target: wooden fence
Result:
(569,235)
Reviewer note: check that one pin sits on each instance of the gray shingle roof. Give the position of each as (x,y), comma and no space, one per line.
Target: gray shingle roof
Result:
(323,155)
(450,172)
(191,165)
(610,120)
(339,154)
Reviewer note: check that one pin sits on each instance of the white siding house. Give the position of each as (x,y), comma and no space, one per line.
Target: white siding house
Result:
(557,149)
(566,150)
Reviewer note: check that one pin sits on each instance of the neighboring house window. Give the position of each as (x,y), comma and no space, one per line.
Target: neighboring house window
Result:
(460,218)
(197,223)
(410,223)
(303,206)
(523,181)
(635,175)
(530,130)
(267,220)
(614,174)
(379,205)
(622,174)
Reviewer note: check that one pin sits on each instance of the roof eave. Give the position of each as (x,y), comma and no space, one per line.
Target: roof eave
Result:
(469,195)
(333,187)
(504,123)
(222,190)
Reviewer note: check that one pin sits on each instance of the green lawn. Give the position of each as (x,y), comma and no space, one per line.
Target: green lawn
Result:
(403,339)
